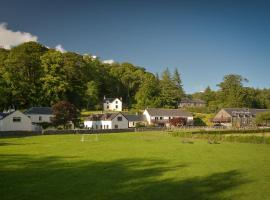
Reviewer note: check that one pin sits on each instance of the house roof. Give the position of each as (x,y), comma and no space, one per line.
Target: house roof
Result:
(3,115)
(104,117)
(233,111)
(168,112)
(39,111)
(134,118)
(192,101)
(110,99)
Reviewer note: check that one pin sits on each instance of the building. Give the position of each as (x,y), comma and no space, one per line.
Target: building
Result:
(237,117)
(161,117)
(191,103)
(135,119)
(40,114)
(112,104)
(15,121)
(106,121)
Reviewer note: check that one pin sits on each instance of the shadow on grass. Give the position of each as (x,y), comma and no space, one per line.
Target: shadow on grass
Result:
(24,177)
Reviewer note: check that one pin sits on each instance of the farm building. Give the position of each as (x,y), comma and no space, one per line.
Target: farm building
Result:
(161,117)
(237,117)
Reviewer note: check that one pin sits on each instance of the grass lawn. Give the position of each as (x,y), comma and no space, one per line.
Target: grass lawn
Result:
(131,166)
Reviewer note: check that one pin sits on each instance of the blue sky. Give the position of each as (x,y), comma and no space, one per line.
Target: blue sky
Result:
(203,39)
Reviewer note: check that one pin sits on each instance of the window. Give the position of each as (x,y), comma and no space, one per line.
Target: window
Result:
(115,126)
(107,126)
(119,119)
(116,102)
(116,106)
(161,118)
(107,107)
(16,119)
(40,118)
(96,126)
(100,126)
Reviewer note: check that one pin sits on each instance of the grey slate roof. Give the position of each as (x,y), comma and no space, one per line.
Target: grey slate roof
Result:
(168,112)
(3,115)
(103,117)
(39,111)
(134,118)
(253,111)
(110,99)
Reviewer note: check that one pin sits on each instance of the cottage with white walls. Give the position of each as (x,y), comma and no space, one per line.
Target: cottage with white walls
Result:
(162,116)
(40,114)
(135,119)
(106,121)
(112,104)
(15,121)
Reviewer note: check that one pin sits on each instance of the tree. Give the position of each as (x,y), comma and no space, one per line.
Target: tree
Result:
(148,93)
(178,83)
(24,72)
(64,112)
(232,91)
(54,82)
(171,91)
(92,94)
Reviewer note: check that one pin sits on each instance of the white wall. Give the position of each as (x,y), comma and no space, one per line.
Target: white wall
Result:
(121,124)
(44,118)
(107,124)
(7,123)
(112,105)
(147,116)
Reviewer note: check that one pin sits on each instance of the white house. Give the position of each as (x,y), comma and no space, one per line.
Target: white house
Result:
(40,114)
(112,104)
(106,121)
(162,116)
(15,121)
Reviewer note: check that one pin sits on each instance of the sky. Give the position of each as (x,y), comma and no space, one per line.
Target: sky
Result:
(203,39)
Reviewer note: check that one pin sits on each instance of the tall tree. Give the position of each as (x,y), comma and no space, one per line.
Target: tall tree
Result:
(23,73)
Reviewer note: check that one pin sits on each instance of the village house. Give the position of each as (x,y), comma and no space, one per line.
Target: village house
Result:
(40,114)
(133,120)
(161,117)
(106,121)
(237,117)
(15,121)
(112,104)
(191,103)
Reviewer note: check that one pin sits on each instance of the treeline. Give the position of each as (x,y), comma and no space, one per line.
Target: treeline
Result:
(33,75)
(233,94)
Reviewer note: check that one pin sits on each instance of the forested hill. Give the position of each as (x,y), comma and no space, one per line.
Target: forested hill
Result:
(33,75)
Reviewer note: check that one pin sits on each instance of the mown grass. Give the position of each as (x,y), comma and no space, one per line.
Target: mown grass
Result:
(131,166)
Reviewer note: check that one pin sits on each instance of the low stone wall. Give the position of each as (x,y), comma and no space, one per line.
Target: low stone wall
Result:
(85,131)
(19,133)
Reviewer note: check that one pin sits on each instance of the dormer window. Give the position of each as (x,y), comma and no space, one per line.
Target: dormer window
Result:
(116,102)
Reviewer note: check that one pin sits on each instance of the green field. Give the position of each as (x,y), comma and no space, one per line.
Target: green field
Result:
(131,166)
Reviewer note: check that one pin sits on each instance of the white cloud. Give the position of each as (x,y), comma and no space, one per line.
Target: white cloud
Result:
(9,38)
(108,61)
(60,48)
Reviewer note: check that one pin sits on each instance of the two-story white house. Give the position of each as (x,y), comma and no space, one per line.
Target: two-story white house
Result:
(161,116)
(15,121)
(106,121)
(112,104)
(40,114)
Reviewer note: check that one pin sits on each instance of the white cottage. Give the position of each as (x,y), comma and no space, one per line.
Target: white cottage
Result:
(106,121)
(40,114)
(112,104)
(15,121)
(162,116)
